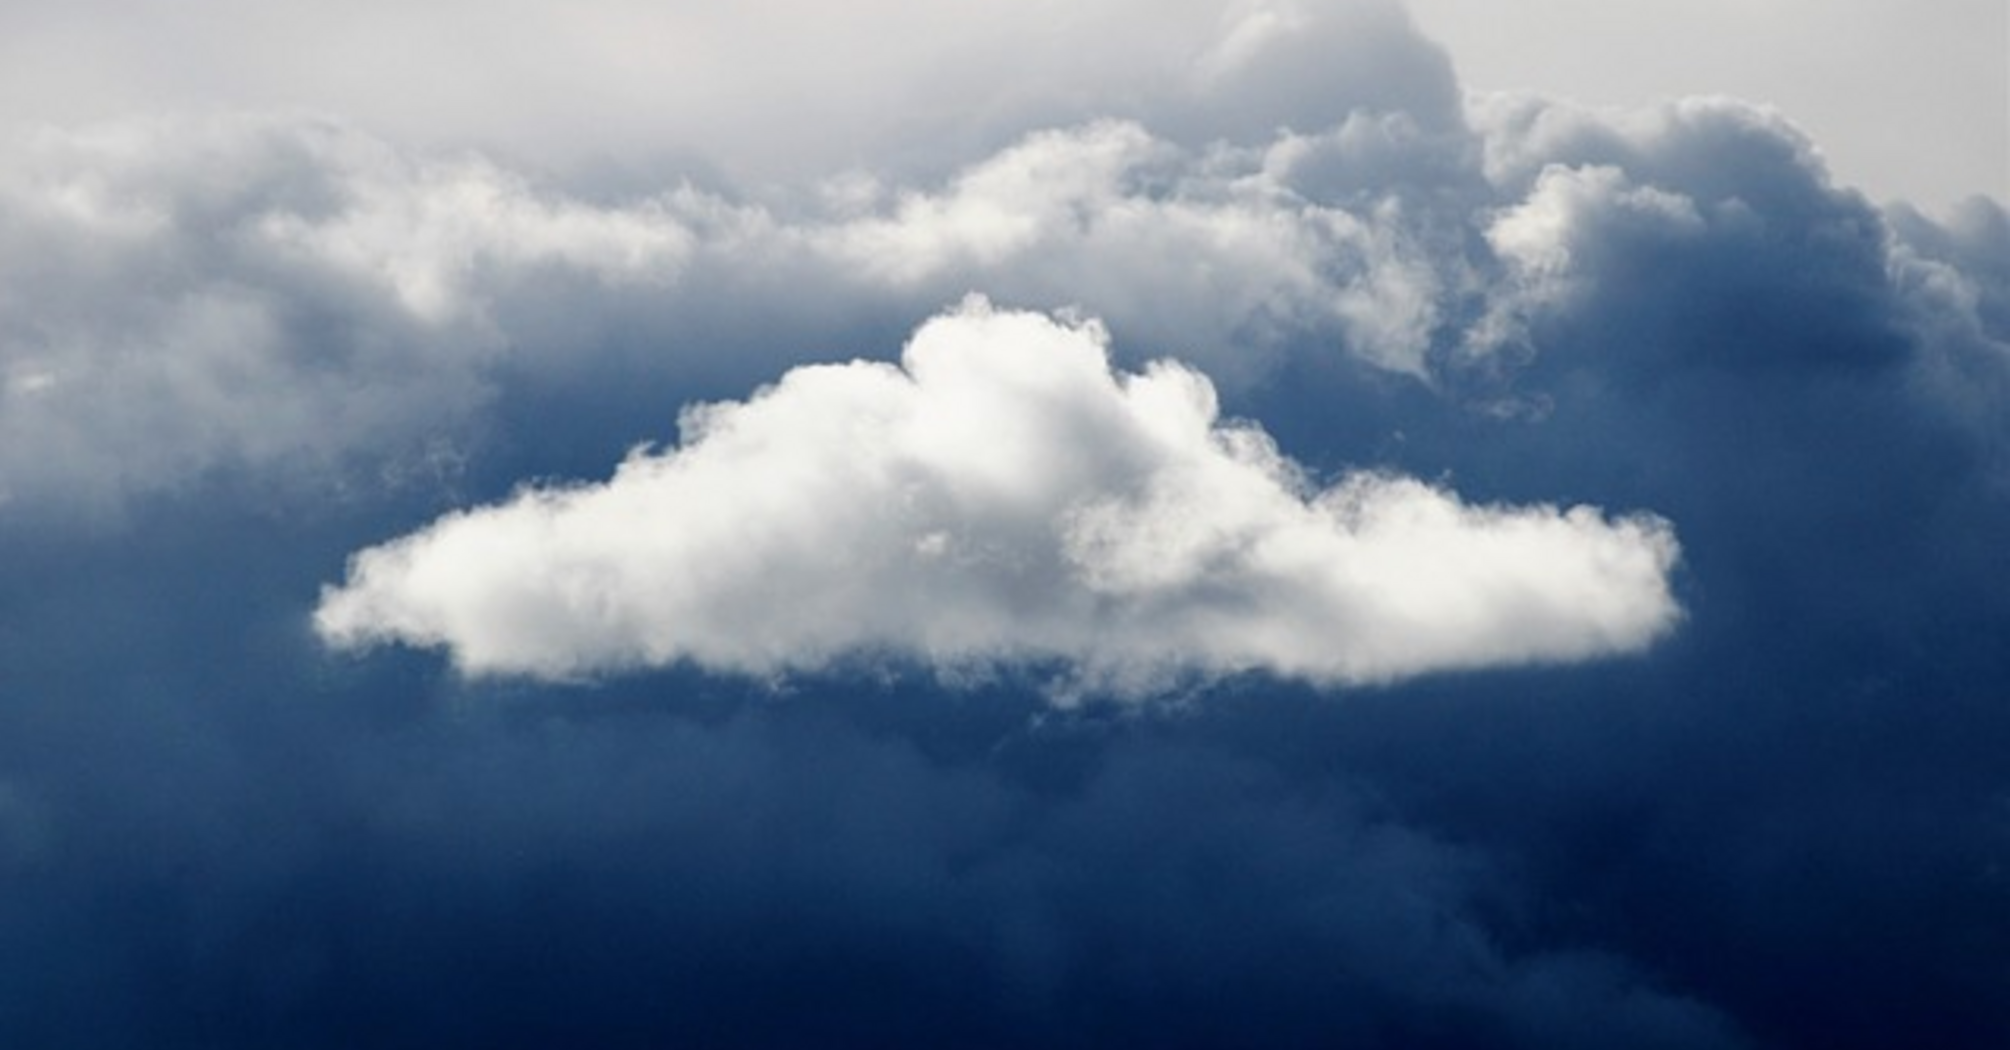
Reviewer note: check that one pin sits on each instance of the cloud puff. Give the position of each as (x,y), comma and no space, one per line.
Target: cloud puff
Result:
(1002,495)
(1222,255)
(1699,234)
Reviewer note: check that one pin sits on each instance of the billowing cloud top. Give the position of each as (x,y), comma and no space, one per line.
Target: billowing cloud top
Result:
(274,297)
(1003,495)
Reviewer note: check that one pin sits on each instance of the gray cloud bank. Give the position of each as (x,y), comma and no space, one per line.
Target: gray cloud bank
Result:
(189,296)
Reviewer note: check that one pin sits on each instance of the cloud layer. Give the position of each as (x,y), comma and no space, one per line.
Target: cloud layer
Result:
(257,296)
(1002,495)
(270,297)
(260,295)
(273,341)
(765,92)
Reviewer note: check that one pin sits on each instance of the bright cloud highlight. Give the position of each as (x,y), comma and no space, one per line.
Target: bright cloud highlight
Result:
(1003,495)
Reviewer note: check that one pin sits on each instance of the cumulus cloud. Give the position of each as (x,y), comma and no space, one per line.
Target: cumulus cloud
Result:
(1003,495)
(1223,255)
(1700,233)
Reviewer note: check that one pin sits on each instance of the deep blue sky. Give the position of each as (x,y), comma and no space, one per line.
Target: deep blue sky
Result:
(989,686)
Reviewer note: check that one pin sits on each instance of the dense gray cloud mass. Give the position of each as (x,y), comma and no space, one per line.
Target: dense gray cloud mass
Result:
(309,297)
(1001,495)
(323,296)
(277,294)
(1360,345)
(232,293)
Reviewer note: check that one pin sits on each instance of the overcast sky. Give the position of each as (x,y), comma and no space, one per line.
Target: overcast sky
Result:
(1212,523)
(1908,101)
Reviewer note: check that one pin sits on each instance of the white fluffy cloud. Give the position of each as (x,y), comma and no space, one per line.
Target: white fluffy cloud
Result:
(1002,495)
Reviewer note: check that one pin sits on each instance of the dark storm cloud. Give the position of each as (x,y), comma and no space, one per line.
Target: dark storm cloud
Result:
(1800,809)
(372,855)
(1784,827)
